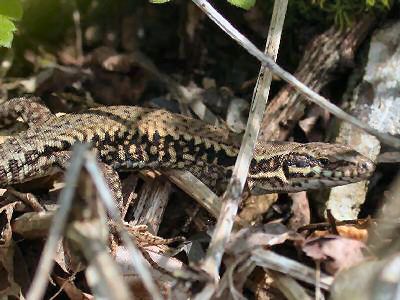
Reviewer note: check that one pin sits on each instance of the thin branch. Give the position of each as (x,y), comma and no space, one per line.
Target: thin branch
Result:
(232,196)
(46,262)
(196,189)
(138,262)
(300,87)
(273,261)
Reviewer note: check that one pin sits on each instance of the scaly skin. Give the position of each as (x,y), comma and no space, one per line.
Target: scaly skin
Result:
(131,138)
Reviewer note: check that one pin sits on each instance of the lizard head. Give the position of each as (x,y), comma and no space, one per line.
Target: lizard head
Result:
(295,167)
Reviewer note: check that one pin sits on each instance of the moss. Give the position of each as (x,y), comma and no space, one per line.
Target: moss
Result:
(342,12)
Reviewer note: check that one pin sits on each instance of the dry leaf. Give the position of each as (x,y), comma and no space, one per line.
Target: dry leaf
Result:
(347,231)
(9,285)
(335,252)
(252,237)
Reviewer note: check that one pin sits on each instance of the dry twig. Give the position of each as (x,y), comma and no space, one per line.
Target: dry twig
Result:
(46,262)
(300,87)
(232,196)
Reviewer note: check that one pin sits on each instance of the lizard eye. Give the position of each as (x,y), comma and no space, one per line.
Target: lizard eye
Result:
(298,161)
(302,163)
(323,161)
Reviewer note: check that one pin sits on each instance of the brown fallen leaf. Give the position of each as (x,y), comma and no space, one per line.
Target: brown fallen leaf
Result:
(335,252)
(10,286)
(258,236)
(68,286)
(347,231)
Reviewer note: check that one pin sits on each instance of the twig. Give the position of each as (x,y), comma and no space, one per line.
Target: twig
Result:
(46,262)
(326,225)
(196,189)
(289,287)
(323,57)
(138,262)
(232,197)
(151,204)
(28,198)
(318,294)
(272,261)
(300,87)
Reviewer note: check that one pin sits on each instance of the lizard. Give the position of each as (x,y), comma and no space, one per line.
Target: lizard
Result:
(128,138)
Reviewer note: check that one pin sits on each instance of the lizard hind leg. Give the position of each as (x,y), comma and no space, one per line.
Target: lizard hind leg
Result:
(62,159)
(30,109)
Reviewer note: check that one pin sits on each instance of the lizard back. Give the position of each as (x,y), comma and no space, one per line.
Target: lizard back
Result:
(127,138)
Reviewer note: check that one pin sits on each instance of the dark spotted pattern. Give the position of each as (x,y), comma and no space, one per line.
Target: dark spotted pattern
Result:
(133,137)
(270,164)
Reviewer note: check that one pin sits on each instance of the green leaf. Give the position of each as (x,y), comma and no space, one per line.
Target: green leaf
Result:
(156,1)
(11,9)
(7,28)
(370,2)
(245,4)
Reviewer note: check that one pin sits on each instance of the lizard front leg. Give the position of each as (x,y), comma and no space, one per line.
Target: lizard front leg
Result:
(30,109)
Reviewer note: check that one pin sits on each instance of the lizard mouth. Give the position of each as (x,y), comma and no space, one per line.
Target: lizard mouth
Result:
(336,170)
(328,162)
(330,173)
(352,173)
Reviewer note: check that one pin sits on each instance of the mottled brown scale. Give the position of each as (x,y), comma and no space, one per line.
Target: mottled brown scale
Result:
(130,138)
